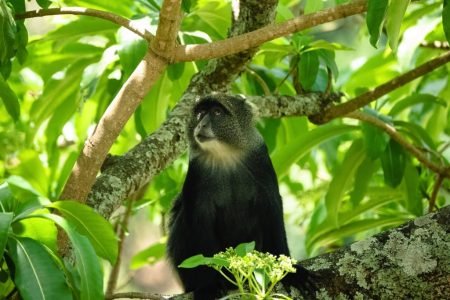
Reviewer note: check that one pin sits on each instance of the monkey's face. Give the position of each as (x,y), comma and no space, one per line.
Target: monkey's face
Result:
(220,129)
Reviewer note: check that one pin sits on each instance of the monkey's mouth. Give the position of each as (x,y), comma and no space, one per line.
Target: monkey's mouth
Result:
(201,138)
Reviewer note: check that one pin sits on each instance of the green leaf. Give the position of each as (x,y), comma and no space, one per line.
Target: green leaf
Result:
(328,59)
(244,248)
(175,71)
(87,263)
(354,228)
(37,276)
(41,230)
(325,45)
(415,99)
(363,176)
(417,133)
(313,6)
(9,99)
(375,140)
(132,50)
(33,170)
(393,163)
(194,261)
(44,3)
(394,18)
(5,224)
(376,12)
(342,179)
(446,19)
(149,255)
(308,68)
(412,189)
(59,91)
(92,225)
(283,157)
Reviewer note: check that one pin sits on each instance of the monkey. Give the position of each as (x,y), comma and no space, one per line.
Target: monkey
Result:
(230,194)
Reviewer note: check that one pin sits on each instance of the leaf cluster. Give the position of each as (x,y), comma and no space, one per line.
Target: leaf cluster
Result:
(30,263)
(254,273)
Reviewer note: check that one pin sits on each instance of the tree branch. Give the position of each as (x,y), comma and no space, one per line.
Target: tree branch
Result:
(255,38)
(364,99)
(408,262)
(441,170)
(116,19)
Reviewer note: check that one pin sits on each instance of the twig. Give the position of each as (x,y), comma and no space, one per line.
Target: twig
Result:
(114,275)
(116,19)
(385,88)
(136,295)
(434,194)
(442,171)
(259,80)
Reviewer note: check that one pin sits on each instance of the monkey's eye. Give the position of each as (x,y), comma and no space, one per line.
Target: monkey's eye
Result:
(200,114)
(217,111)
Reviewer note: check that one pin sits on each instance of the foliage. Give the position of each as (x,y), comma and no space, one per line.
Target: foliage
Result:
(30,262)
(254,273)
(340,182)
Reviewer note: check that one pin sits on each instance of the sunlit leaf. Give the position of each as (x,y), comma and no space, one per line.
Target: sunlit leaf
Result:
(41,230)
(92,225)
(394,18)
(313,6)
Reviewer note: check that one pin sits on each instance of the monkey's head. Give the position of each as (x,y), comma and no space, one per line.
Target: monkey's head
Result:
(221,130)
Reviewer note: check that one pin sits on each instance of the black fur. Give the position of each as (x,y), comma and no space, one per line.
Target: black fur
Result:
(222,206)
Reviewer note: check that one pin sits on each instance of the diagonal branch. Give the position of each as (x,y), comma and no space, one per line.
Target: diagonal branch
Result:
(364,99)
(439,169)
(116,19)
(123,106)
(255,38)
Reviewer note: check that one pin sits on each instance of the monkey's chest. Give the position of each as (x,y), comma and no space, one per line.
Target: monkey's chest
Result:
(238,211)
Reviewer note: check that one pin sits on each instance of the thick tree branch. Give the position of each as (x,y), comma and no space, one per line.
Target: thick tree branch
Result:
(364,99)
(439,169)
(408,262)
(116,19)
